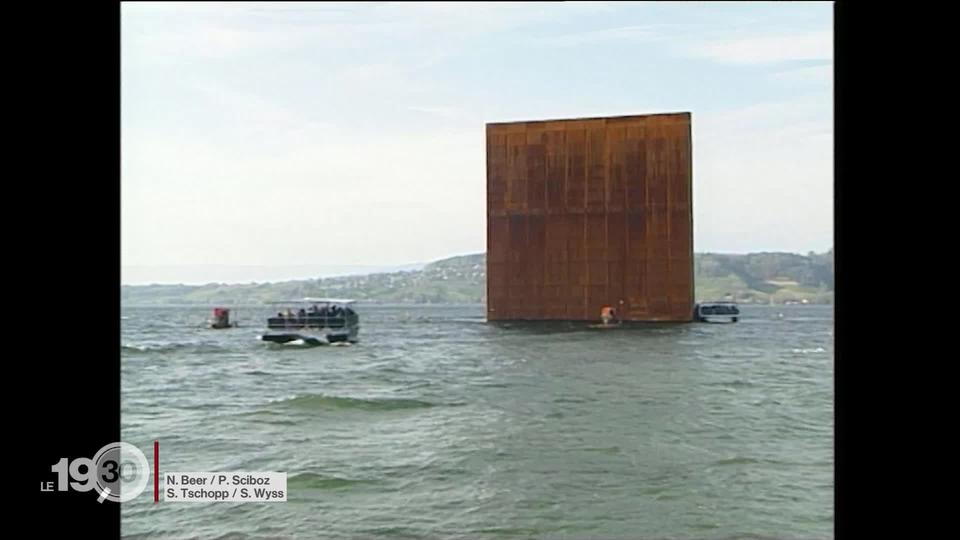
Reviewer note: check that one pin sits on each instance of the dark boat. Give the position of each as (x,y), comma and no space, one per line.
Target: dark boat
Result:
(716,312)
(313,322)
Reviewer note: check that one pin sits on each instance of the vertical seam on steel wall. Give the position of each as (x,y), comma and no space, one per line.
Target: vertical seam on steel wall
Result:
(565,219)
(647,213)
(585,312)
(543,227)
(586,222)
(566,226)
(489,221)
(606,212)
(667,211)
(690,273)
(626,222)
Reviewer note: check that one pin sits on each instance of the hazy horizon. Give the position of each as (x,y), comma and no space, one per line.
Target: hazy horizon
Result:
(273,140)
(202,274)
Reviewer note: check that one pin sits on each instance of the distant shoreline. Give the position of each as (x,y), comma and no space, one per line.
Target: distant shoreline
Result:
(751,279)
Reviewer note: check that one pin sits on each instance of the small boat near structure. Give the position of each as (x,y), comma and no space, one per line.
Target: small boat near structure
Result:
(606,326)
(716,312)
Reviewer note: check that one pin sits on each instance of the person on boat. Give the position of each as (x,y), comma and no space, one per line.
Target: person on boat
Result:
(302,313)
(606,314)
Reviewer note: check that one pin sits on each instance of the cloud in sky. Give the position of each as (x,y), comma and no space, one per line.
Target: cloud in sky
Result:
(819,75)
(353,133)
(768,49)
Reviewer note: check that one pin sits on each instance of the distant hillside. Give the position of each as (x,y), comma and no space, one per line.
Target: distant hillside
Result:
(765,277)
(751,278)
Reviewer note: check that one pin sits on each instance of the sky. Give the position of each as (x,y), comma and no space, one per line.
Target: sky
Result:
(273,141)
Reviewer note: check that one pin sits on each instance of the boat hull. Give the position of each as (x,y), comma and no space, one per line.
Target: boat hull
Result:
(311,338)
(719,319)
(217,326)
(602,326)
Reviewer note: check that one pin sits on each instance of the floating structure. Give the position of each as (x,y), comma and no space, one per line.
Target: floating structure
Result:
(588,213)
(221,319)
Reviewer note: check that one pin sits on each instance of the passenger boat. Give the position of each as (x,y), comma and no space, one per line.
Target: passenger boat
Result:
(314,321)
(715,312)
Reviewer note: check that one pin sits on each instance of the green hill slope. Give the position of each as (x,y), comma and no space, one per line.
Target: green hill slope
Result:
(750,278)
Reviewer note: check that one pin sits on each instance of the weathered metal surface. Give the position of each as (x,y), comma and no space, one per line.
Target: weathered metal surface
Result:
(590,212)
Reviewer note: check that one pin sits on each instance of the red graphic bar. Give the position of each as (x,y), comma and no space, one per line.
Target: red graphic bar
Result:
(156,472)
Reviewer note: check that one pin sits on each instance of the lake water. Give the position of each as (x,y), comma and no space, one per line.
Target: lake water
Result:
(438,425)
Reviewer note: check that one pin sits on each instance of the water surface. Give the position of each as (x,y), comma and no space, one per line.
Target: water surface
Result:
(438,425)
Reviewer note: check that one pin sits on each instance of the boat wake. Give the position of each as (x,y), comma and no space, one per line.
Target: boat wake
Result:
(298,343)
(308,343)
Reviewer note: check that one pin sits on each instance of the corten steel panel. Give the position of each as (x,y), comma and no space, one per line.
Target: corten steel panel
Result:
(590,212)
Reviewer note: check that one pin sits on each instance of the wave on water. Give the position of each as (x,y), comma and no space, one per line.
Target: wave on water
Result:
(736,460)
(321,401)
(147,348)
(266,416)
(809,351)
(735,383)
(471,320)
(310,480)
(234,535)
